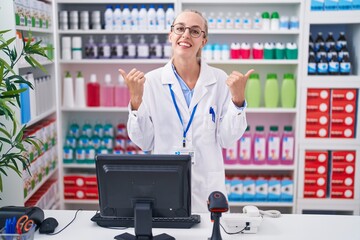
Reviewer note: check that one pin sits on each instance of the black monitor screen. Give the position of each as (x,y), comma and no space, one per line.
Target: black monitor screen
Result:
(161,180)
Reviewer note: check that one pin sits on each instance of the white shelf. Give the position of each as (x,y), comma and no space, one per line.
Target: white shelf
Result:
(111,2)
(43,63)
(33,30)
(264,167)
(253,31)
(103,31)
(328,81)
(115,61)
(263,204)
(96,109)
(254,62)
(271,110)
(329,202)
(41,117)
(333,143)
(78,166)
(333,17)
(244,1)
(84,201)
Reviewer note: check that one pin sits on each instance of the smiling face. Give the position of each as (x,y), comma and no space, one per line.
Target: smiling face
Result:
(184,45)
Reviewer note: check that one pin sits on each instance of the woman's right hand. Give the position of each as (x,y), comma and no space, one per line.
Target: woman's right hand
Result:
(134,80)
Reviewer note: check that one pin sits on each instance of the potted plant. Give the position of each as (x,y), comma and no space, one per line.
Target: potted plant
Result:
(13,155)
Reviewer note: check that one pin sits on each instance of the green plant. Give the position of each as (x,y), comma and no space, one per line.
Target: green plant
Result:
(13,155)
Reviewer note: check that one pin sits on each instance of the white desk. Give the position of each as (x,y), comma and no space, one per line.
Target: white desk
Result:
(287,227)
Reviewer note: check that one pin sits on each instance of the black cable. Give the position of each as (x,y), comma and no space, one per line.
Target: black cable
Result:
(67,224)
(241,231)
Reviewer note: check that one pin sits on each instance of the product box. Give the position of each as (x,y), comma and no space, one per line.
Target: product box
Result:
(261,189)
(331,5)
(315,192)
(317,5)
(274,189)
(91,193)
(316,131)
(343,107)
(236,190)
(347,119)
(345,5)
(91,181)
(342,192)
(74,192)
(74,180)
(320,157)
(320,94)
(343,169)
(348,95)
(315,168)
(356,4)
(342,131)
(343,156)
(249,189)
(319,180)
(341,180)
(318,105)
(228,185)
(287,190)
(318,118)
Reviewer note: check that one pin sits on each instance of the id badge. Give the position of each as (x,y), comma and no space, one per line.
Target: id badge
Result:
(186,151)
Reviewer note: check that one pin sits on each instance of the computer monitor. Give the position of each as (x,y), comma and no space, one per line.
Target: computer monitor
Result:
(144,186)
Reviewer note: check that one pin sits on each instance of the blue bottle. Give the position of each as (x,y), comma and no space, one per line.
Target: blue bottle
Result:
(25,104)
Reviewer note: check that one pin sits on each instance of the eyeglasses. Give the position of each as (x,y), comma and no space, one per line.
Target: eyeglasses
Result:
(179,28)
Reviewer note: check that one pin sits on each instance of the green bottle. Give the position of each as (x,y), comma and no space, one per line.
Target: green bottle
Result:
(253,91)
(288,91)
(271,91)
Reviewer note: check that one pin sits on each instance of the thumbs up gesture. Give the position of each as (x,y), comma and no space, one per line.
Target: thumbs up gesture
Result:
(237,83)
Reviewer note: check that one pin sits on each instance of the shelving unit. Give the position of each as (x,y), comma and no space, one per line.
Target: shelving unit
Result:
(335,21)
(14,186)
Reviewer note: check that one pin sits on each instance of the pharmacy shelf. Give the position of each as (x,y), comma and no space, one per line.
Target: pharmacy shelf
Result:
(244,1)
(263,204)
(333,17)
(41,117)
(111,2)
(33,30)
(74,201)
(328,81)
(117,32)
(264,167)
(271,110)
(78,166)
(254,31)
(42,62)
(333,143)
(254,62)
(96,109)
(115,61)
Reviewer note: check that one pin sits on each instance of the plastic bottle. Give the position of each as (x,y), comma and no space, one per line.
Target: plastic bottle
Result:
(220,21)
(169,16)
(167,49)
(87,129)
(245,147)
(245,50)
(93,92)
(212,21)
(156,49)
(117,18)
(207,52)
(74,131)
(294,22)
(90,154)
(332,52)
(160,18)
(229,21)
(129,48)
(275,21)
(273,146)
(25,104)
(288,91)
(343,51)
(322,65)
(271,93)
(126,18)
(311,41)
(287,146)
(238,23)
(284,23)
(74,20)
(68,92)
(345,65)
(312,64)
(259,145)
(319,40)
(321,51)
(258,50)
(265,20)
(80,91)
(329,41)
(98,129)
(134,18)
(91,49)
(291,51)
(104,48)
(217,52)
(253,91)
(230,154)
(32,95)
(143,18)
(225,52)
(341,41)
(95,20)
(142,48)
(151,18)
(108,16)
(117,49)
(269,50)
(257,21)
(247,21)
(334,67)
(279,50)
(235,50)
(121,92)
(107,93)
(109,129)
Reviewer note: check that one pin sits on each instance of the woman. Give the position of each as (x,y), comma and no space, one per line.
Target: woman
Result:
(188,107)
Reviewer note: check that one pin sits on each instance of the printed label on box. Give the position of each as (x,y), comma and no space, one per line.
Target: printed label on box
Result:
(317,156)
(343,95)
(314,192)
(343,156)
(315,180)
(342,192)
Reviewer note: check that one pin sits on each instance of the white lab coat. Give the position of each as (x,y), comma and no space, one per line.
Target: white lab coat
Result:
(156,126)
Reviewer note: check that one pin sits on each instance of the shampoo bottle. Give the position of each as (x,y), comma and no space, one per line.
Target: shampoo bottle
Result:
(129,48)
(93,92)
(104,48)
(142,48)
(107,93)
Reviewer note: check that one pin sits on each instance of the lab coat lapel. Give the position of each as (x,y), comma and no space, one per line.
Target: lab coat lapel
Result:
(206,79)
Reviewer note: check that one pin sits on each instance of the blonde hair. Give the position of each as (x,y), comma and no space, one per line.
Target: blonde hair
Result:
(206,28)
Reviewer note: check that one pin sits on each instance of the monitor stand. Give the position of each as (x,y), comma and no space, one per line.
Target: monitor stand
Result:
(143,225)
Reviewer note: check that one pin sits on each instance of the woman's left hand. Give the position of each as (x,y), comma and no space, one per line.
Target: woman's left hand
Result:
(237,83)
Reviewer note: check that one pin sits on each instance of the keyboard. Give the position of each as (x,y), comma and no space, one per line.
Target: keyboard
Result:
(157,222)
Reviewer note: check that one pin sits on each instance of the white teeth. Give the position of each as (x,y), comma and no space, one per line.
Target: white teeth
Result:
(184,44)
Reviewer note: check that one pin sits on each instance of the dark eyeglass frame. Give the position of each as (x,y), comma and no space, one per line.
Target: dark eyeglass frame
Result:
(190,28)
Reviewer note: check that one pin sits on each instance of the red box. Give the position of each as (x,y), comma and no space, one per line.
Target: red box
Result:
(74,180)
(343,169)
(315,168)
(318,180)
(342,192)
(343,156)
(317,118)
(316,131)
(314,192)
(344,95)
(341,180)
(347,119)
(343,107)
(74,193)
(320,157)
(342,131)
(318,93)
(90,181)
(91,193)
(316,106)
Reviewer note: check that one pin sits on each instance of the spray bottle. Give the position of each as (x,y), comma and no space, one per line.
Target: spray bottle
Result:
(156,49)
(142,48)
(129,48)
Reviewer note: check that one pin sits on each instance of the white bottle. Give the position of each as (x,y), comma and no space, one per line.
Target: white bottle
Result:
(117,18)
(117,50)
(247,21)
(169,16)
(104,48)
(238,23)
(212,21)
(217,52)
(126,18)
(167,48)
(220,21)
(134,18)
(225,52)
(108,16)
(80,91)
(142,48)
(229,22)
(33,93)
(156,49)
(68,92)
(160,18)
(257,21)
(151,18)
(129,48)
(143,18)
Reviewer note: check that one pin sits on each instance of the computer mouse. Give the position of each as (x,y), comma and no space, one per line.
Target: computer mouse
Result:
(48,225)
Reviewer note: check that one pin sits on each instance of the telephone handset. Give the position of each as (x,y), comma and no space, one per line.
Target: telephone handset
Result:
(251,211)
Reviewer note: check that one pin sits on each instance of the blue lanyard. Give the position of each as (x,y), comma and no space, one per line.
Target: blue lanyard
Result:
(179,115)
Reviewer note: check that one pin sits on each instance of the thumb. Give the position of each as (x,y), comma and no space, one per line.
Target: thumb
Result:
(247,75)
(123,73)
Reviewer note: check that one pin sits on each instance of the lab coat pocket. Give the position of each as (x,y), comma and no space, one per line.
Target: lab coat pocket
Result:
(209,128)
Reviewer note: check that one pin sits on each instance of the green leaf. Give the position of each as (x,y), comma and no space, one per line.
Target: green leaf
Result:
(5,140)
(4,31)
(38,64)
(6,133)
(7,66)
(7,43)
